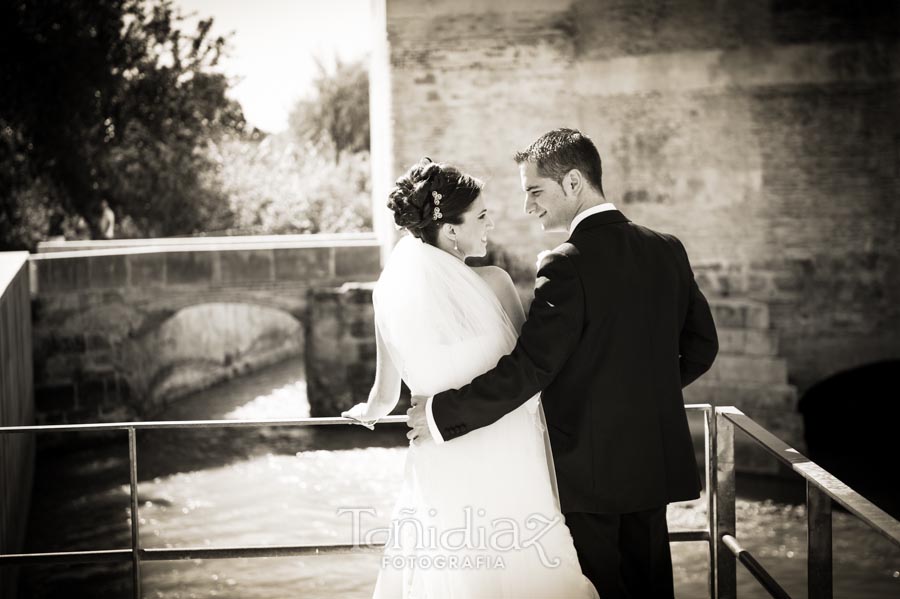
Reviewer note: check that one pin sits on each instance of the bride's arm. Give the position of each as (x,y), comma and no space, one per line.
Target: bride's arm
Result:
(513,302)
(385,391)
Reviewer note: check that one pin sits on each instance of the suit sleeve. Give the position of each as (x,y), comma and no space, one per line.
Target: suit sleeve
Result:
(549,336)
(698,343)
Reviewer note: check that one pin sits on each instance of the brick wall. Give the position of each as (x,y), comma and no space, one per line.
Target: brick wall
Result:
(765,135)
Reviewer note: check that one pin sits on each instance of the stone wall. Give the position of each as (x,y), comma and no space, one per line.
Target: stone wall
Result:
(765,135)
(340,348)
(120,332)
(16,409)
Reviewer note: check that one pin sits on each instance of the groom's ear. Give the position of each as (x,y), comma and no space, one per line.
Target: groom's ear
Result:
(573,182)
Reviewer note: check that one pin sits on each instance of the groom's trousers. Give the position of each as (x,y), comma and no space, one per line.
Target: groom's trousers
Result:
(626,556)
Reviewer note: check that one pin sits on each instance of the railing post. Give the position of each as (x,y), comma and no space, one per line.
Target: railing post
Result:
(709,451)
(818,523)
(135,516)
(726,565)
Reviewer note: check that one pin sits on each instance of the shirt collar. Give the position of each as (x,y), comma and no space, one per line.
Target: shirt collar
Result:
(590,212)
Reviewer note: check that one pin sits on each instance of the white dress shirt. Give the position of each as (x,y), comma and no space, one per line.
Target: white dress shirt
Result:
(606,206)
(429,415)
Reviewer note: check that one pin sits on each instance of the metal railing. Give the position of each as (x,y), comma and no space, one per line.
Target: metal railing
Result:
(724,549)
(822,489)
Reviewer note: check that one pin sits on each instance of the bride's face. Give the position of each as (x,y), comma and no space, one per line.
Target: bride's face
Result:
(472,233)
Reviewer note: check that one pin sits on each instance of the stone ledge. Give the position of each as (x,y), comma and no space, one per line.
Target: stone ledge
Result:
(743,396)
(751,369)
(754,342)
(78,249)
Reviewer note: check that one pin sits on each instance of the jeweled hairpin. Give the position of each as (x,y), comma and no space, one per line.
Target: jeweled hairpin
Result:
(437,202)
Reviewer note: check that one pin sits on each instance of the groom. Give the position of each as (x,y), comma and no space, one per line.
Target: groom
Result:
(617,328)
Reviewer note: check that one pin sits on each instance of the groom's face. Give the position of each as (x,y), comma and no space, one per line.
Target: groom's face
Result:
(545,199)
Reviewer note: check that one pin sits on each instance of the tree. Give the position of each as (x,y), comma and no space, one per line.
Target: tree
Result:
(337,114)
(108,99)
(276,185)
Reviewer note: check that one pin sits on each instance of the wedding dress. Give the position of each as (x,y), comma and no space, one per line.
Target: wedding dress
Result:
(478,516)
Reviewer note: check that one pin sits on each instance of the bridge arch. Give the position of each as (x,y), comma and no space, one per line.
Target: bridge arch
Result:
(202,344)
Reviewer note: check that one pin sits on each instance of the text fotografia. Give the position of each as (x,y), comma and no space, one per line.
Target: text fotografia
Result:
(443,562)
(433,548)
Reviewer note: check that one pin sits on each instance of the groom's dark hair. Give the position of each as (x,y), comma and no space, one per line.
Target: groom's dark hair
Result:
(561,150)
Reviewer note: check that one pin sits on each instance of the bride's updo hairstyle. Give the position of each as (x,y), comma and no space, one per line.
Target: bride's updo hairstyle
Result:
(430,195)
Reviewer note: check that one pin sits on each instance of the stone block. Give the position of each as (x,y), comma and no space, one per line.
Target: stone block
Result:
(59,367)
(738,313)
(91,394)
(743,396)
(364,262)
(757,342)
(362,328)
(97,341)
(184,268)
(108,271)
(367,351)
(357,293)
(302,264)
(246,266)
(147,270)
(97,361)
(752,369)
(97,391)
(59,275)
(71,344)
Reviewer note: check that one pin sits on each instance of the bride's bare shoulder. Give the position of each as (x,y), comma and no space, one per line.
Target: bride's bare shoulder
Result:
(502,285)
(494,276)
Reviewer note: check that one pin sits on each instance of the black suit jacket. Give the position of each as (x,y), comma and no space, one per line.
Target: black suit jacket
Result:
(617,328)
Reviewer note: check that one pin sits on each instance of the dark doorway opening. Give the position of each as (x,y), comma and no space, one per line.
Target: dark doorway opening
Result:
(852,430)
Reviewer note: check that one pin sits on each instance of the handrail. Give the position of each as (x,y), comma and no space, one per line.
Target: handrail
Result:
(168,424)
(724,549)
(755,568)
(852,501)
(137,554)
(182,553)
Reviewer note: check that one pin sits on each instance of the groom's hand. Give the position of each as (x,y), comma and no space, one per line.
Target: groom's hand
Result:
(416,421)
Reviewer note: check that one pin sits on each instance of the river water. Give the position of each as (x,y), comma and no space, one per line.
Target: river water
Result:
(224,487)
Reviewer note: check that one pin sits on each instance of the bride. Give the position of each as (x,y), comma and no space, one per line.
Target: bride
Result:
(477,516)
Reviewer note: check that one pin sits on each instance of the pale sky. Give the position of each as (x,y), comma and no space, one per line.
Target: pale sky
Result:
(274,43)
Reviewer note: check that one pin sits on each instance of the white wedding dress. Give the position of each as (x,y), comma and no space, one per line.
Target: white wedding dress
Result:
(478,516)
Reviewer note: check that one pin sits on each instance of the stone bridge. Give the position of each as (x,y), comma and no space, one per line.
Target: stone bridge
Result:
(121,327)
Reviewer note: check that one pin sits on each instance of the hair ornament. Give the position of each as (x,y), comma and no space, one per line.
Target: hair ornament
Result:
(437,203)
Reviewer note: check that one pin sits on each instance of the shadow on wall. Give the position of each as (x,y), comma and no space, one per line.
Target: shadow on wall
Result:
(850,420)
(204,344)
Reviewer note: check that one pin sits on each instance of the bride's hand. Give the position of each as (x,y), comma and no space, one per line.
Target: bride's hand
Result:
(359,414)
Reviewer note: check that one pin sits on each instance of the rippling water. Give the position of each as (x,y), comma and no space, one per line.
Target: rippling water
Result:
(223,487)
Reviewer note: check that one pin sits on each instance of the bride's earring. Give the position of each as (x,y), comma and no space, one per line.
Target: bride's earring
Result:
(455,246)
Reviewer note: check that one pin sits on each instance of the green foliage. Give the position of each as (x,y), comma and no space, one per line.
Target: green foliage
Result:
(336,117)
(108,99)
(276,185)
